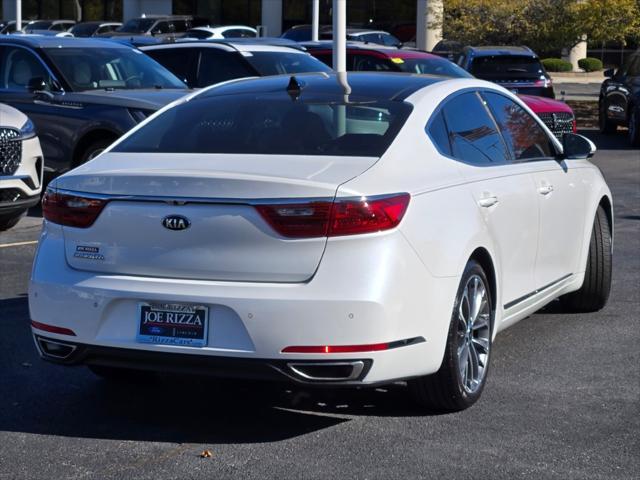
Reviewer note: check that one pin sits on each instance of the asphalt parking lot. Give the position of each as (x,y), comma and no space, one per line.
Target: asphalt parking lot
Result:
(562,399)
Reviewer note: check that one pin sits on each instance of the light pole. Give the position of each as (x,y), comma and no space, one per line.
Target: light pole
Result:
(315,20)
(18,15)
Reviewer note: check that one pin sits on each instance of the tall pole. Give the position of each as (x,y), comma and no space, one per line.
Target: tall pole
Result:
(340,35)
(340,63)
(18,15)
(315,20)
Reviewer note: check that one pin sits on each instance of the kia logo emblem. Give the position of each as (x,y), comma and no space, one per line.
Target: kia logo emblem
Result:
(176,222)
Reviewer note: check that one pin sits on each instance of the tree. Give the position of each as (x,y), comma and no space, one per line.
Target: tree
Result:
(544,25)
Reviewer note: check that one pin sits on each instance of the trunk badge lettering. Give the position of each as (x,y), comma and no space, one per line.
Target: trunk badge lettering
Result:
(176,222)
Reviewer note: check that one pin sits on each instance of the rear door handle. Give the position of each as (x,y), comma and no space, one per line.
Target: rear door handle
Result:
(488,201)
(545,189)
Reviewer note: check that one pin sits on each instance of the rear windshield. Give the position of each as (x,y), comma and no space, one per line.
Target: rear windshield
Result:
(431,66)
(506,66)
(271,124)
(84,29)
(279,63)
(40,25)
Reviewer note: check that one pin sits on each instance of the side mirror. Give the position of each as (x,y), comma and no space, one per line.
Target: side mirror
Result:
(37,84)
(576,147)
(609,73)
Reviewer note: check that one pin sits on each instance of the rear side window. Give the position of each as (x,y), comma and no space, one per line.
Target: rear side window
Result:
(280,63)
(272,124)
(179,61)
(439,134)
(217,66)
(472,132)
(523,135)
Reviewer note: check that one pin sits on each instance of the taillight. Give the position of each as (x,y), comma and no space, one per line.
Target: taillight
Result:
(71,210)
(332,219)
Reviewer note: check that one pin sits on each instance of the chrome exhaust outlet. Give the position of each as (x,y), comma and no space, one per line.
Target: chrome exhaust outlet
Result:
(327,371)
(55,349)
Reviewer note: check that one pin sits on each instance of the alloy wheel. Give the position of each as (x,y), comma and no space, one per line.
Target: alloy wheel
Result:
(473,334)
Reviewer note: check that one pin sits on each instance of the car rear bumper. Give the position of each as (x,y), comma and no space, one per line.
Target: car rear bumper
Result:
(368,292)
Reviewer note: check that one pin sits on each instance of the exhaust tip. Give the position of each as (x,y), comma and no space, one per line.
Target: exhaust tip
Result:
(327,371)
(55,349)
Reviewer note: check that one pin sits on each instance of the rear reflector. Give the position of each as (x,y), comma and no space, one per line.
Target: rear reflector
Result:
(372,347)
(52,329)
(332,219)
(71,210)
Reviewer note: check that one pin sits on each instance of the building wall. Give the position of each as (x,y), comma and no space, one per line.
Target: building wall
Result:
(136,8)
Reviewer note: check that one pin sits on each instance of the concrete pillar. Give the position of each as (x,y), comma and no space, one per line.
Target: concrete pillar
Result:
(271,18)
(578,52)
(429,17)
(135,8)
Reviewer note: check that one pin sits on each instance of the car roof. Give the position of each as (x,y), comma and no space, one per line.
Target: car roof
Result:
(388,51)
(239,44)
(154,16)
(364,85)
(501,50)
(41,41)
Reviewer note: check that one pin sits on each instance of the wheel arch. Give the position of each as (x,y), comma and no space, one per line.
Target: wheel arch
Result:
(483,257)
(605,203)
(88,138)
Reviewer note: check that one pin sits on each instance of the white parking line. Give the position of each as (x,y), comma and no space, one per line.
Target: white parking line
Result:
(17,244)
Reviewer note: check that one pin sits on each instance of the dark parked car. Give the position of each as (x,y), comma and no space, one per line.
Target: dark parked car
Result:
(557,116)
(619,102)
(517,68)
(92,29)
(203,63)
(164,26)
(302,33)
(55,25)
(9,26)
(81,94)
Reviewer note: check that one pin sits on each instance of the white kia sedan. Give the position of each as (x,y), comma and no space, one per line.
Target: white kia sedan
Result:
(302,229)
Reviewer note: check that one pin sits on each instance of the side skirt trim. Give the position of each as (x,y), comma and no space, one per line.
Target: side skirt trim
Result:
(535,292)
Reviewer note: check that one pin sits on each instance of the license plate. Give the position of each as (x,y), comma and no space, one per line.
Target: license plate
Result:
(173,324)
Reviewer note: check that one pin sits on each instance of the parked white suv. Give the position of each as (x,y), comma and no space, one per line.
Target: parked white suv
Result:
(21,164)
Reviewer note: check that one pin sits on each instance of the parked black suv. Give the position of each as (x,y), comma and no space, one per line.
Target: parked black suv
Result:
(81,94)
(619,102)
(517,68)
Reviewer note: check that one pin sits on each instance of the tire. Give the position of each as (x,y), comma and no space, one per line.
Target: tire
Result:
(119,375)
(93,150)
(453,387)
(634,128)
(10,221)
(606,126)
(594,293)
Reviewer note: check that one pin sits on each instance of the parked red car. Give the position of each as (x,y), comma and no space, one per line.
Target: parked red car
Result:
(557,115)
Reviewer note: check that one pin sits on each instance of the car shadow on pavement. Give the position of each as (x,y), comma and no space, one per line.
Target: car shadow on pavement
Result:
(41,398)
